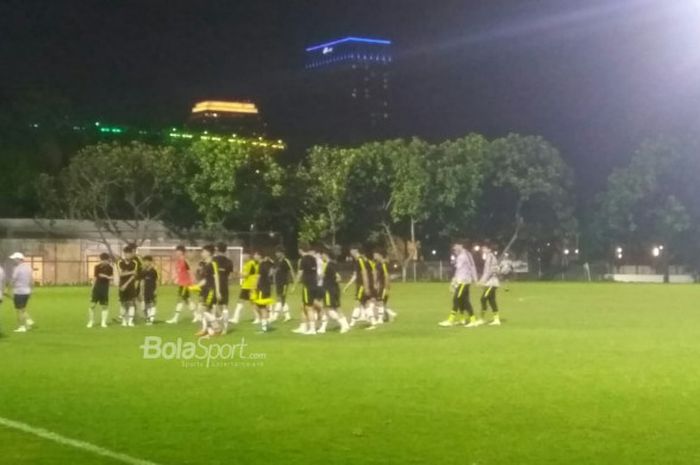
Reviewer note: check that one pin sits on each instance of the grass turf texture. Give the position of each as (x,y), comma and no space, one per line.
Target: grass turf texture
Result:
(578,374)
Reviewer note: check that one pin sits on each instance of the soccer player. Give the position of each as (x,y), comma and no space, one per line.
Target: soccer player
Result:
(331,294)
(263,294)
(210,292)
(21,291)
(103,275)
(284,275)
(225,267)
(149,278)
(364,279)
(383,279)
(491,282)
(308,276)
(183,278)
(249,283)
(465,274)
(128,271)
(139,284)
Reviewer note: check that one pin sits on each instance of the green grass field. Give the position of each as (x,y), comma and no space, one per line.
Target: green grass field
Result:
(578,374)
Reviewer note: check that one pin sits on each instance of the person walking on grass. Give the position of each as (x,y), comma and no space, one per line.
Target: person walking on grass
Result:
(465,274)
(21,283)
(490,281)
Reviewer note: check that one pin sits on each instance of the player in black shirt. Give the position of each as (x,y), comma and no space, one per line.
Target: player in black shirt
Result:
(103,275)
(363,277)
(331,293)
(263,294)
(311,298)
(149,282)
(284,276)
(210,292)
(383,286)
(225,267)
(140,303)
(128,269)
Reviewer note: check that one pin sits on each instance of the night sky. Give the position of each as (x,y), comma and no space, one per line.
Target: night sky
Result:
(594,77)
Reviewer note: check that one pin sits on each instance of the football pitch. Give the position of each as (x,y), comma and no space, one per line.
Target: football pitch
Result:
(577,374)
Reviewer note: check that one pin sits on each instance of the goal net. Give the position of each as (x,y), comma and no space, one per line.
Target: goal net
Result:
(164,259)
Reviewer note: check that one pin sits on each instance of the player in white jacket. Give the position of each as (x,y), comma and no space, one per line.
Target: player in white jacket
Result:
(490,281)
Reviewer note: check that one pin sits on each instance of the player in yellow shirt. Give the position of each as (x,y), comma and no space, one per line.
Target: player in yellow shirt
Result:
(249,283)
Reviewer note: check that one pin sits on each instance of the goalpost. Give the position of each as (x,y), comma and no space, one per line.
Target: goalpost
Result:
(163,258)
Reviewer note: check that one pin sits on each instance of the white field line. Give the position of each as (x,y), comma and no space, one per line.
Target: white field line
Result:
(82,445)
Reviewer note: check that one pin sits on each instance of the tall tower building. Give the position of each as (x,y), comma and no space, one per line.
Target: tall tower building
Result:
(348,89)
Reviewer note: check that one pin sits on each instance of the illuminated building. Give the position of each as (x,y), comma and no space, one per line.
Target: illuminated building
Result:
(226,117)
(348,88)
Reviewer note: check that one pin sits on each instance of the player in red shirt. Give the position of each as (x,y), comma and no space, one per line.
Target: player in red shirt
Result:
(183,278)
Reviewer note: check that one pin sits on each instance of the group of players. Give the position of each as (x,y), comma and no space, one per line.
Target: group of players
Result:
(207,296)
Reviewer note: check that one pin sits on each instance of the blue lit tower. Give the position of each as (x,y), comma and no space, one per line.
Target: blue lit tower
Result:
(348,82)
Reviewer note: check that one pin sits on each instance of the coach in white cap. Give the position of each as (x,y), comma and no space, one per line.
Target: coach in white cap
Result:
(21,283)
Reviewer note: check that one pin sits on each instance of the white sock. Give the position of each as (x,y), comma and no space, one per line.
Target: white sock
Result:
(224,319)
(285,310)
(152,313)
(91,316)
(371,314)
(263,324)
(205,318)
(324,323)
(178,310)
(380,313)
(356,312)
(105,315)
(237,313)
(132,313)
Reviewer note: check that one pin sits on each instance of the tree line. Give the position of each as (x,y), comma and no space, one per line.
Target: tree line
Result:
(409,195)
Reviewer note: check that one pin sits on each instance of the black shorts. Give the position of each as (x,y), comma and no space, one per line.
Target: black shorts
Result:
(183,293)
(224,296)
(207,297)
(128,295)
(263,296)
(383,295)
(21,301)
(309,294)
(100,295)
(364,295)
(245,295)
(149,298)
(281,293)
(331,298)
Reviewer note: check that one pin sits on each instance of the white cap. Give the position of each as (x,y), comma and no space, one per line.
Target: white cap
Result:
(17,256)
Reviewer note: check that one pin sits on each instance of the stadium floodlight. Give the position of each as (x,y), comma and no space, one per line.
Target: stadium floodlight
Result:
(477,248)
(576,251)
(434,252)
(655,251)
(567,251)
